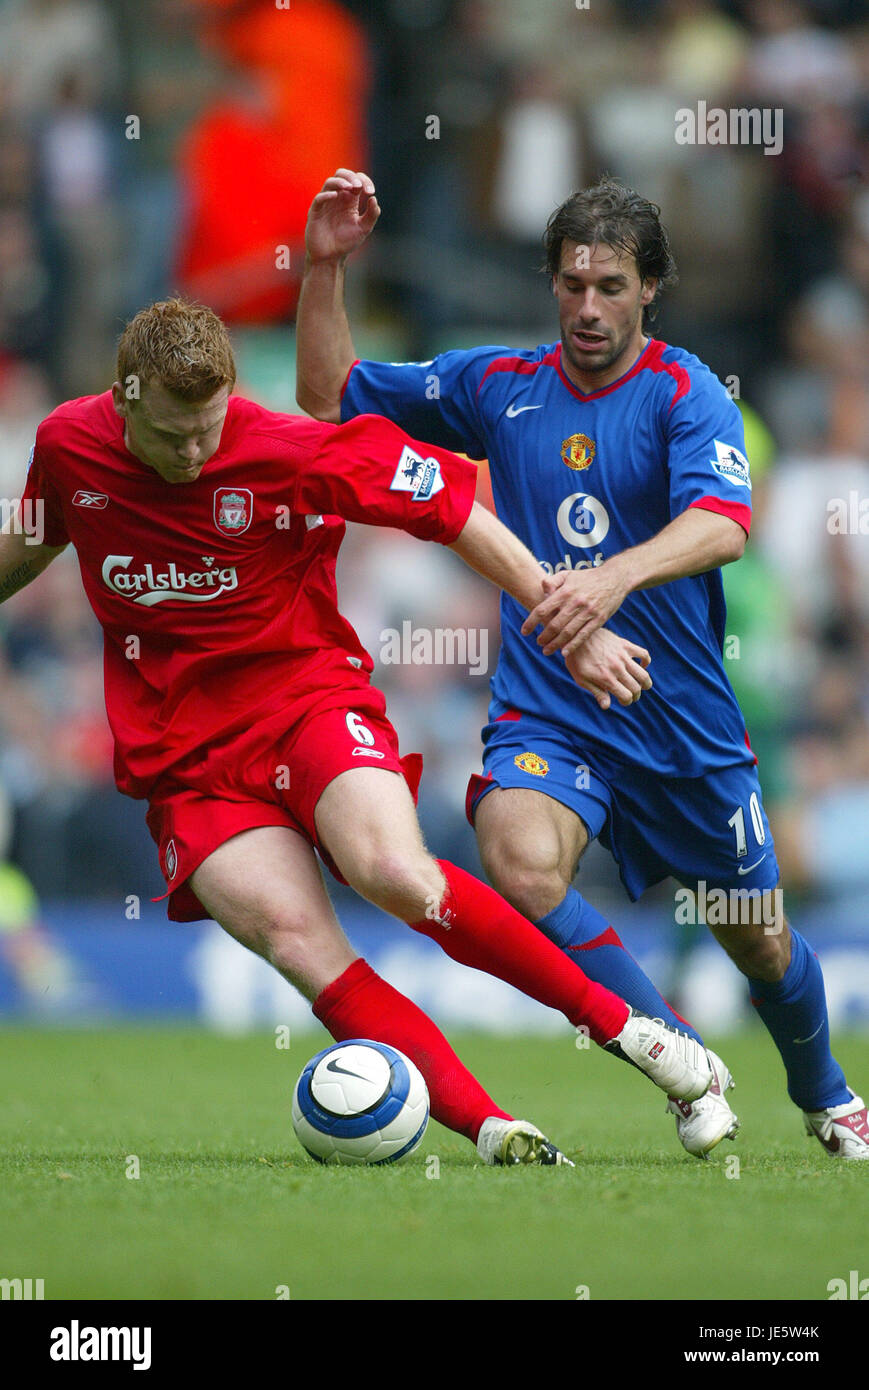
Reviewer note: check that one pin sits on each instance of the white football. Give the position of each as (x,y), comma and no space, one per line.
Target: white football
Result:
(360,1102)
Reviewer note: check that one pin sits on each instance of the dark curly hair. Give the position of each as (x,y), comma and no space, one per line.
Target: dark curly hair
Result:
(614,215)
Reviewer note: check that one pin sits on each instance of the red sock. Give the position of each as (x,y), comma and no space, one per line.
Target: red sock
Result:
(478,928)
(361,1005)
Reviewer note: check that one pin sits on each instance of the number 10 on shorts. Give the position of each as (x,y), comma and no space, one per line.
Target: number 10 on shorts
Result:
(737,821)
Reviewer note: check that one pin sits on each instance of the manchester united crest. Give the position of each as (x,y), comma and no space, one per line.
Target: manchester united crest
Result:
(578,452)
(233,509)
(533,763)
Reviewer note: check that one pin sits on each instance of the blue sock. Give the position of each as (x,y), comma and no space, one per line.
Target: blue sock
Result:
(795,1011)
(587,937)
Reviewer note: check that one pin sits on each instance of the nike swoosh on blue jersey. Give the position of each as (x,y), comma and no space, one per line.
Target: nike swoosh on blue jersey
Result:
(512,411)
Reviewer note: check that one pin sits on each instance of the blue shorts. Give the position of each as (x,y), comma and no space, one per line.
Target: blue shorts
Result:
(711,828)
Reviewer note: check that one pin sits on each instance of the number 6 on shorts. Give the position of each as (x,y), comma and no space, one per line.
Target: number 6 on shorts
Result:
(359,731)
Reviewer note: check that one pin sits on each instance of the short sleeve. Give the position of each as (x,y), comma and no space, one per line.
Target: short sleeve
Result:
(435,400)
(706,453)
(41,497)
(369,470)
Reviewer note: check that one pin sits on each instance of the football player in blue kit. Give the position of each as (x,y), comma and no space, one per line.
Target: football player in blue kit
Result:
(619,461)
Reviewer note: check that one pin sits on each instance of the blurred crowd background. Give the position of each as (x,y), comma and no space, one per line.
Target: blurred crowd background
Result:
(151,146)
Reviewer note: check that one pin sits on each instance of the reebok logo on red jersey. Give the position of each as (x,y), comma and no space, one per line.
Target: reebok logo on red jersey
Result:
(147,586)
(97,500)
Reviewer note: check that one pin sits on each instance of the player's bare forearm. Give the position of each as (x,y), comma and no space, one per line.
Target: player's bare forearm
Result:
(608,665)
(324,346)
(340,218)
(487,546)
(693,543)
(578,602)
(21,562)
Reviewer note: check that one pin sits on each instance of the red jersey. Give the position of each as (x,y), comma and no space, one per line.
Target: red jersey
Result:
(217,597)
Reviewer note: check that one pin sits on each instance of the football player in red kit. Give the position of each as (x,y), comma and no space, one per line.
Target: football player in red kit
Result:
(207,531)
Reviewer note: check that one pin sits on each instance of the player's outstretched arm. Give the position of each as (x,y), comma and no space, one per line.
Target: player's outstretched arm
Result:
(428,492)
(340,219)
(606,666)
(578,602)
(487,546)
(21,561)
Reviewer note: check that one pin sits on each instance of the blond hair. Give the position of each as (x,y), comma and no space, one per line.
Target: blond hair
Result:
(181,345)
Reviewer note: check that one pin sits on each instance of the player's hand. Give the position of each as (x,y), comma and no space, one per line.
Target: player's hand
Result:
(341,216)
(576,604)
(608,665)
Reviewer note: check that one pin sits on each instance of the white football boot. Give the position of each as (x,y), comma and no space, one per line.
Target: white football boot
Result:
(703,1123)
(506,1142)
(842,1129)
(673,1060)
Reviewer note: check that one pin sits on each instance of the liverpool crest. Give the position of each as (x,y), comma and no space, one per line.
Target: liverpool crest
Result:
(233,509)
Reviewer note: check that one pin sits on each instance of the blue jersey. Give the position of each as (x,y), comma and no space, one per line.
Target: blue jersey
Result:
(580,478)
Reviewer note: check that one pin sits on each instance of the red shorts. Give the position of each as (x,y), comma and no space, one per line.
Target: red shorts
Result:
(242,784)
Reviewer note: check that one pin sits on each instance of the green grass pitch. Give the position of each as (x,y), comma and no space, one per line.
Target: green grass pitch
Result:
(227,1206)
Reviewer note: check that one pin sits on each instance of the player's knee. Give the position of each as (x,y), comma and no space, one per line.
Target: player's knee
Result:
(400,882)
(291,946)
(532,888)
